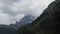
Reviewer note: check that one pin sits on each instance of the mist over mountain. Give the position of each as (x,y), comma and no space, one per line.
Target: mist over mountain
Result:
(25,20)
(12,10)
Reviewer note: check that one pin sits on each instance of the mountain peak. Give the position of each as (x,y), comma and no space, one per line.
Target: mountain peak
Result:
(25,20)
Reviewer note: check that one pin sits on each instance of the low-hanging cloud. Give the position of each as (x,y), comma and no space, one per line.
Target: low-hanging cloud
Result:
(16,9)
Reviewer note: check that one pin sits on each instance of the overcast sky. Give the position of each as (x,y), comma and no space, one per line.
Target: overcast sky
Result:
(13,10)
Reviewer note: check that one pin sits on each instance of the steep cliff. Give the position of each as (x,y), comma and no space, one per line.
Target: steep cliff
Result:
(47,23)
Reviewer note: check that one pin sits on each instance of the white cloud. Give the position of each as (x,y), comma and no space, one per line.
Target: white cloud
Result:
(7,19)
(30,6)
(13,19)
(3,18)
(13,10)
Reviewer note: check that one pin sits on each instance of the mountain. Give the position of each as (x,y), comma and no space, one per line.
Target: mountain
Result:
(12,28)
(25,20)
(6,29)
(47,23)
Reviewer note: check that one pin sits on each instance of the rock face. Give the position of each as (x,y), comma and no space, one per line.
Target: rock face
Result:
(47,23)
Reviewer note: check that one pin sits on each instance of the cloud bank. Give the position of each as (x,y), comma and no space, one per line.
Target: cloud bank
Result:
(13,10)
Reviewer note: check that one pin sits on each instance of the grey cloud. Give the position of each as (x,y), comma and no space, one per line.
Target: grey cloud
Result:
(6,8)
(9,1)
(8,11)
